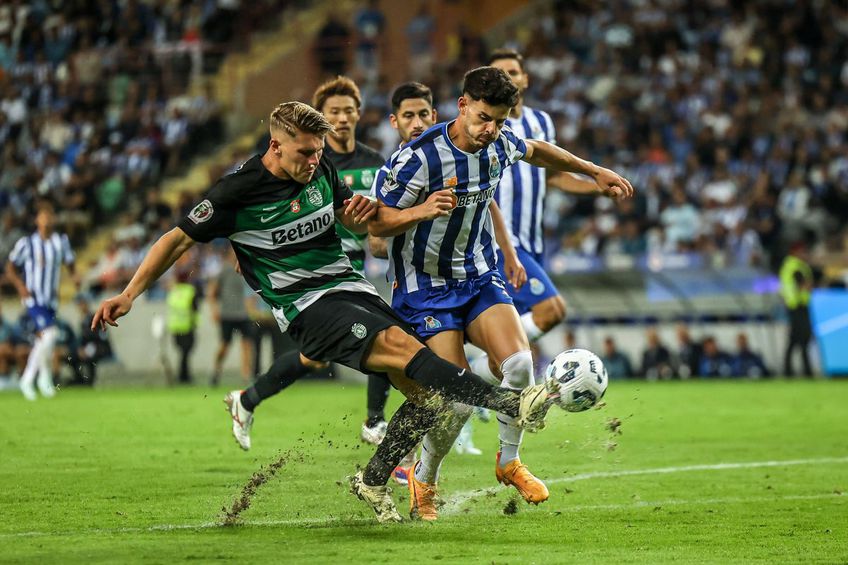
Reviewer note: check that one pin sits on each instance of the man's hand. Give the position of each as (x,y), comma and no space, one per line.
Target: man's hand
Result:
(110,310)
(361,208)
(437,205)
(513,269)
(613,185)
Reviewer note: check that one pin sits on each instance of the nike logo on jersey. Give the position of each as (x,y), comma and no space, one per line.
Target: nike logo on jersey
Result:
(265,219)
(462,372)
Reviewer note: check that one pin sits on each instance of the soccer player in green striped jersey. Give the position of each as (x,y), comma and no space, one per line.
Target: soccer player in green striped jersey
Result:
(279,212)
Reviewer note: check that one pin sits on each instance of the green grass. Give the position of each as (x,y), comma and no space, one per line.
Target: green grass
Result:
(142,475)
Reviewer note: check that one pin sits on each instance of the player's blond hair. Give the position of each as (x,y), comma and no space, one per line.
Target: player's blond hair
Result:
(292,117)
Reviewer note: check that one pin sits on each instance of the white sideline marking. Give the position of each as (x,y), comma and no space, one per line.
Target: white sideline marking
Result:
(458,499)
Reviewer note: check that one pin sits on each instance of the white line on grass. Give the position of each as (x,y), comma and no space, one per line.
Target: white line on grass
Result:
(458,499)
(454,502)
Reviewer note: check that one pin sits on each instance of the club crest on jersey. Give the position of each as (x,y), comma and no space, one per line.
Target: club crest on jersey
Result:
(201,212)
(295,206)
(432,323)
(536,286)
(367,177)
(494,167)
(313,195)
(358,330)
(451,182)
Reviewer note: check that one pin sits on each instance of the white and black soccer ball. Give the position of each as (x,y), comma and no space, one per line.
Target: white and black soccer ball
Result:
(581,378)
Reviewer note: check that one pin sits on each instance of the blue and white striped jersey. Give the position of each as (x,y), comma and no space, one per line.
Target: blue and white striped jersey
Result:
(458,246)
(41,261)
(521,192)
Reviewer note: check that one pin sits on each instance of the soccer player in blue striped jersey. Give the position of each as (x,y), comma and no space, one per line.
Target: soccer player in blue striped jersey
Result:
(436,194)
(520,195)
(40,256)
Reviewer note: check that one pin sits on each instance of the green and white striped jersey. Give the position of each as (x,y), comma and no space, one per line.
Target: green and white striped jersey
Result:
(357,170)
(283,233)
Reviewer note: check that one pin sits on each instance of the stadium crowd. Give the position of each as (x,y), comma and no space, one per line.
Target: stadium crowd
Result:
(730,119)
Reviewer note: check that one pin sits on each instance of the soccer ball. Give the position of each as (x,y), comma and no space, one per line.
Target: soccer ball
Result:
(581,377)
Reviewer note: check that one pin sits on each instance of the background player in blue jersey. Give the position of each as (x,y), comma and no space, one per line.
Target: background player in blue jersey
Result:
(520,195)
(40,257)
(436,194)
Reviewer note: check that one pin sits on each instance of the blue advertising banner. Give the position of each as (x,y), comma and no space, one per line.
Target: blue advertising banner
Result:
(829,314)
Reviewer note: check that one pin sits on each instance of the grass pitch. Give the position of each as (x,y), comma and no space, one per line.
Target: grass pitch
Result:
(718,472)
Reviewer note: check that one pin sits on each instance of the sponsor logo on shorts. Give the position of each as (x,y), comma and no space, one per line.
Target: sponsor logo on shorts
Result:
(358,330)
(536,286)
(432,323)
(201,212)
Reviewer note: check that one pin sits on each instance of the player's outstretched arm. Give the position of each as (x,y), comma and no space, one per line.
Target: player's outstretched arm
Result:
(547,155)
(390,221)
(513,268)
(159,259)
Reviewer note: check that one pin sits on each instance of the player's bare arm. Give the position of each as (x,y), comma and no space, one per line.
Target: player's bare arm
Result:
(515,272)
(16,280)
(159,259)
(390,222)
(549,156)
(356,213)
(379,246)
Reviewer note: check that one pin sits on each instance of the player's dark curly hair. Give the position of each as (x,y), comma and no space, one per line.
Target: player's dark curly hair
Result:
(411,90)
(491,85)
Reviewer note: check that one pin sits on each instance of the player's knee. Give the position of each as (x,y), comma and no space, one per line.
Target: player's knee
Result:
(396,342)
(550,313)
(517,370)
(312,365)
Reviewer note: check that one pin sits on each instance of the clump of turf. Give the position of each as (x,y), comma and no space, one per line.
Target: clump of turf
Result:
(511,507)
(248,491)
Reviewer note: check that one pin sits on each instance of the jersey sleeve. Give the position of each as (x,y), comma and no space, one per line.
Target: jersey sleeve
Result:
(68,256)
(20,253)
(402,180)
(341,191)
(514,146)
(212,217)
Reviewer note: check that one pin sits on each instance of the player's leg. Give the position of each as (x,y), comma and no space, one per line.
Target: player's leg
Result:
(246,340)
(497,331)
(285,370)
(539,305)
(424,478)
(30,372)
(227,327)
(374,427)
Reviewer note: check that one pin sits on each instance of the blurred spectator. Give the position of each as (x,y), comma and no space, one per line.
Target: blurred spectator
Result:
(681,222)
(419,33)
(331,47)
(617,363)
(92,345)
(745,362)
(228,294)
(796,284)
(714,362)
(264,325)
(369,23)
(688,353)
(656,360)
(7,352)
(183,304)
